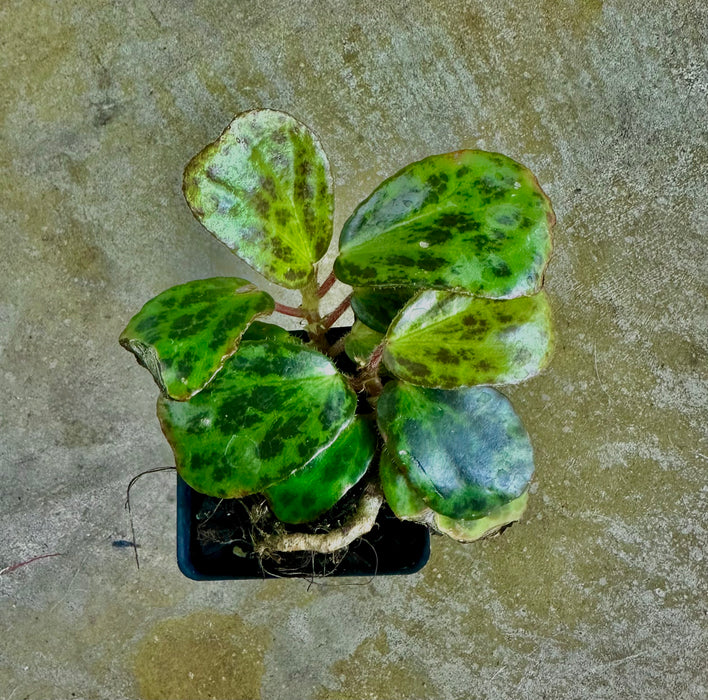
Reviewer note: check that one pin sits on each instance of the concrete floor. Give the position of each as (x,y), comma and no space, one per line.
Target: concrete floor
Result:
(601,592)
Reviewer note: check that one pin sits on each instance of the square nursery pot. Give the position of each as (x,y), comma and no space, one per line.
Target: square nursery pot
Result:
(392,547)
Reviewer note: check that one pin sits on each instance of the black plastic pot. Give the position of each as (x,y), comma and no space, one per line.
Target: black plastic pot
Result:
(392,547)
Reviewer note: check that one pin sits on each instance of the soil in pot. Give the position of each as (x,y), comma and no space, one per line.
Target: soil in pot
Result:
(215,536)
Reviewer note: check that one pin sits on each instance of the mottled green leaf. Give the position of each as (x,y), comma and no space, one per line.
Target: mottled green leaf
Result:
(403,500)
(407,504)
(471,530)
(259,330)
(464,451)
(314,489)
(184,335)
(264,188)
(361,342)
(471,221)
(271,409)
(444,339)
(376,307)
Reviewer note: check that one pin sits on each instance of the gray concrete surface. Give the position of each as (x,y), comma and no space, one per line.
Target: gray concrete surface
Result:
(601,592)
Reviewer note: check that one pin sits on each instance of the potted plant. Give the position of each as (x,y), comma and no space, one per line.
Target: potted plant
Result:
(295,450)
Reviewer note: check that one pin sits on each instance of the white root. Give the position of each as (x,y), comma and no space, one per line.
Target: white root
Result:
(361,522)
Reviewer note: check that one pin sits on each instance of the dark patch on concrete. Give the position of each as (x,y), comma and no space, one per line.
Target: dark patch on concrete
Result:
(105,112)
(204,655)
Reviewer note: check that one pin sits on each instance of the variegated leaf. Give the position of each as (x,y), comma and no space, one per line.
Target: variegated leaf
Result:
(269,411)
(377,307)
(184,335)
(464,451)
(471,530)
(260,330)
(405,502)
(314,489)
(470,221)
(361,342)
(264,188)
(444,339)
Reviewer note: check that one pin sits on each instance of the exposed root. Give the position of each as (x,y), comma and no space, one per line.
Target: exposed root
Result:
(126,505)
(361,522)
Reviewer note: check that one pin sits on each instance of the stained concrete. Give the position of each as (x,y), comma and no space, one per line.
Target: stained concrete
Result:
(601,591)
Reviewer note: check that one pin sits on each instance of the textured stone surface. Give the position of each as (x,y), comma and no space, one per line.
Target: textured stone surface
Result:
(600,592)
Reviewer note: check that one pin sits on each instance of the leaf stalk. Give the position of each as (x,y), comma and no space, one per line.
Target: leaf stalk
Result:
(326,285)
(289,310)
(331,318)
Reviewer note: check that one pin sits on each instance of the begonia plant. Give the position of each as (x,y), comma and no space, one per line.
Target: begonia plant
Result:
(446,259)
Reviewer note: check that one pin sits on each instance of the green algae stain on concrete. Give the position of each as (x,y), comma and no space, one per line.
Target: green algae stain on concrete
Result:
(373,673)
(577,18)
(203,655)
(36,64)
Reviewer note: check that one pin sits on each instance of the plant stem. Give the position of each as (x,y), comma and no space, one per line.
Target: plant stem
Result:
(332,317)
(310,299)
(326,285)
(375,360)
(361,522)
(337,348)
(311,312)
(289,310)
(368,377)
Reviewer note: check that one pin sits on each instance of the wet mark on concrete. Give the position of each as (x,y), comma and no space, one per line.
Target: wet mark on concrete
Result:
(203,655)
